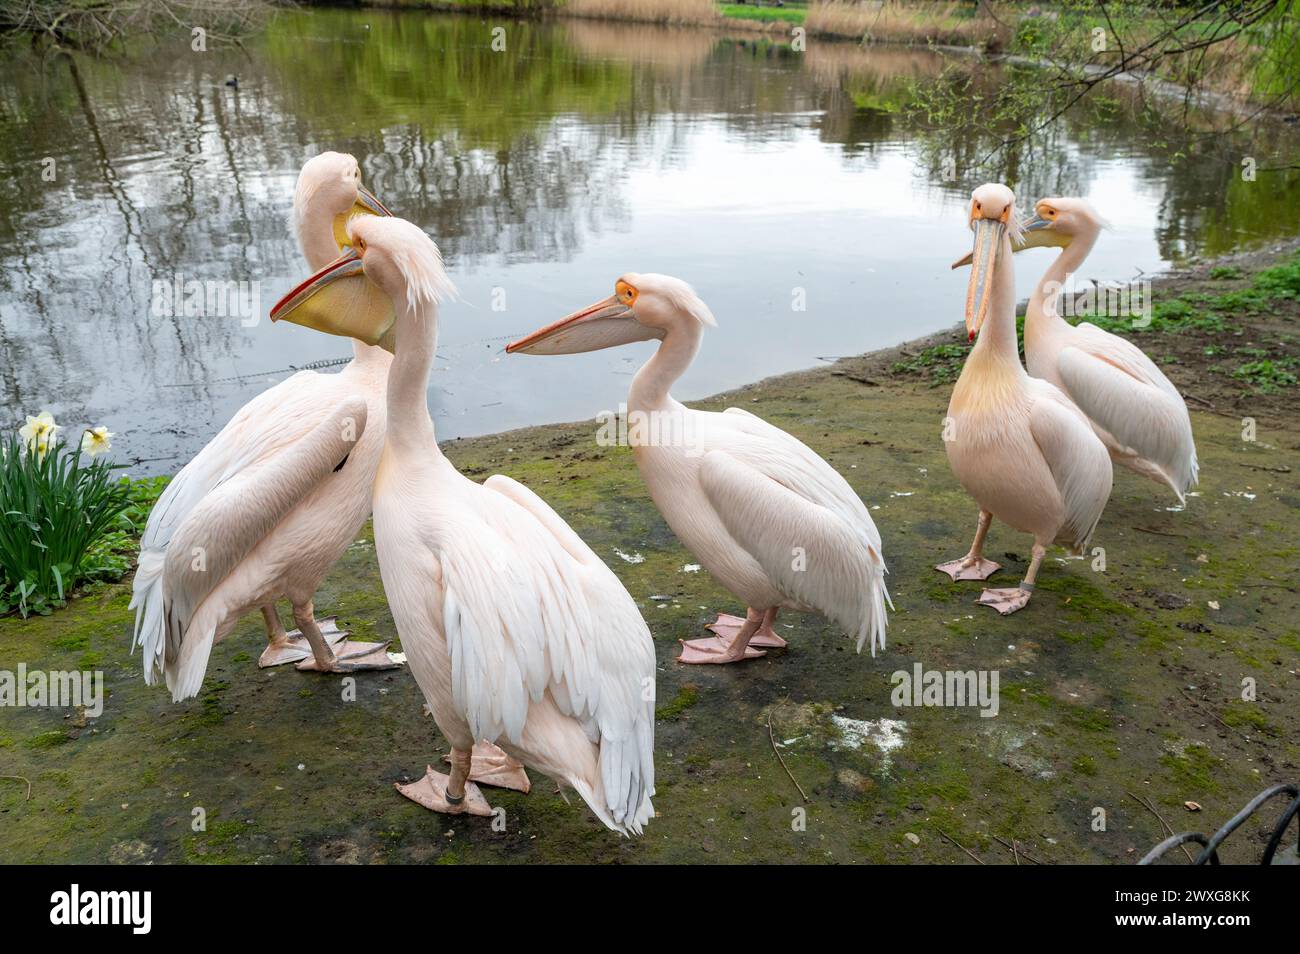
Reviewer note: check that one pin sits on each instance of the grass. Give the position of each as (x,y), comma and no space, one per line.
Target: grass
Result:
(940,364)
(1268,376)
(738,11)
(1202,311)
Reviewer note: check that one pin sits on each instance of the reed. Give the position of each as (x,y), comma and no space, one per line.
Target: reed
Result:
(645,11)
(892,22)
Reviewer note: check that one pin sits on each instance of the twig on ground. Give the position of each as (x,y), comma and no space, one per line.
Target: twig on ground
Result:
(1016,849)
(1146,803)
(772,738)
(22,778)
(960,845)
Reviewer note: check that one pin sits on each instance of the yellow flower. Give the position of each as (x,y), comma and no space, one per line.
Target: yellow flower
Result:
(94,440)
(38,432)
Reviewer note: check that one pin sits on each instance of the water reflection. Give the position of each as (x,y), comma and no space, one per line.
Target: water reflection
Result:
(584,150)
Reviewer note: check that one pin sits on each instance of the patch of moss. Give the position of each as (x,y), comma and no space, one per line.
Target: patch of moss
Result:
(1194,770)
(687,696)
(219,845)
(1247,715)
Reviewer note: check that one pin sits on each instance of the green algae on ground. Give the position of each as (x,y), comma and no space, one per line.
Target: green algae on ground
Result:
(1115,680)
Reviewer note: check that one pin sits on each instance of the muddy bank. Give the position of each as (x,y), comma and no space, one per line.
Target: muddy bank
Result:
(1112,684)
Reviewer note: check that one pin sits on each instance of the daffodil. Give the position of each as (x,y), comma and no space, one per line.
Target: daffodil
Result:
(95,441)
(38,432)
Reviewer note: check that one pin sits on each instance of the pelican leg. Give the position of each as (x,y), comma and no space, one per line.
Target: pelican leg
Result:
(489,765)
(717,651)
(452,795)
(282,647)
(352,657)
(1007,601)
(973,566)
(727,626)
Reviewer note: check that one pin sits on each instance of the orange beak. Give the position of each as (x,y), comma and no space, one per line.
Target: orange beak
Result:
(983,259)
(603,324)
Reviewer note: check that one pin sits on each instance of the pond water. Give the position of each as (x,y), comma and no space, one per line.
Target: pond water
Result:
(761,175)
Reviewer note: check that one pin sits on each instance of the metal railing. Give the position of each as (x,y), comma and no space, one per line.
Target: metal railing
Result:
(1210,846)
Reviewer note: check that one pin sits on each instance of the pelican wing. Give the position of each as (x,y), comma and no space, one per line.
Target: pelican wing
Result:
(1077,459)
(226,501)
(804,526)
(1121,389)
(529,610)
(799,468)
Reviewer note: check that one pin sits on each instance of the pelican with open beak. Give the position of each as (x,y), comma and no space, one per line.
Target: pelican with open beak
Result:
(516,631)
(1017,444)
(353,307)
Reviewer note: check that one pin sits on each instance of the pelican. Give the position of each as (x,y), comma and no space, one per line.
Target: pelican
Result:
(1017,444)
(267,507)
(515,630)
(773,522)
(1135,410)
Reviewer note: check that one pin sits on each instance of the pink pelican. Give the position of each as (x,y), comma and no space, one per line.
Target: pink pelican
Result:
(1135,410)
(269,505)
(515,630)
(1017,444)
(773,522)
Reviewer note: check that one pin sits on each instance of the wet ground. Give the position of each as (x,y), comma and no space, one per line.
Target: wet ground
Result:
(1115,685)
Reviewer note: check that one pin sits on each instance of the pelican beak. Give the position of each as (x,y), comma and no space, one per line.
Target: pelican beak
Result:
(366,204)
(984,254)
(1038,233)
(604,324)
(341,300)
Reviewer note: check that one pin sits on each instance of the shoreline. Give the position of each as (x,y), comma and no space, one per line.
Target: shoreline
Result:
(888,355)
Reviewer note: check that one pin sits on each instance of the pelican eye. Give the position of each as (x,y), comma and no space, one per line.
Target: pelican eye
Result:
(361,244)
(626,293)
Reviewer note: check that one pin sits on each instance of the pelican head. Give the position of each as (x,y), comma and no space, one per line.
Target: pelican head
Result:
(387,262)
(1057,222)
(992,214)
(334,180)
(643,307)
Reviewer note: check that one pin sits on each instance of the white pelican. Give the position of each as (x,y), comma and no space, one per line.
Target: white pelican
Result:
(268,506)
(1135,410)
(515,630)
(773,522)
(1025,453)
